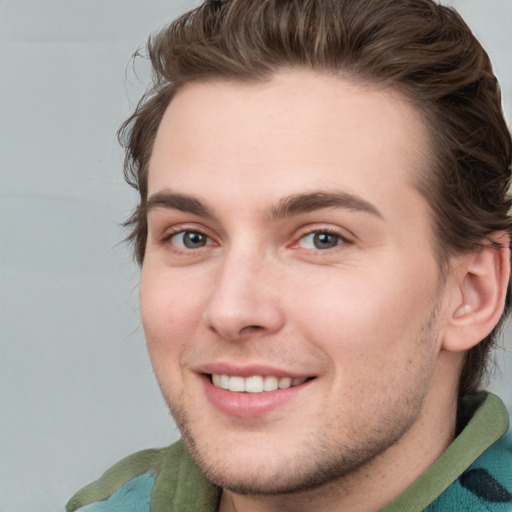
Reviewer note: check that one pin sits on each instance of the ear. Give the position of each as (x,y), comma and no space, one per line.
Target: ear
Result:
(480,289)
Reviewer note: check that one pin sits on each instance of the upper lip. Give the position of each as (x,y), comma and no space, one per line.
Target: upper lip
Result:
(221,368)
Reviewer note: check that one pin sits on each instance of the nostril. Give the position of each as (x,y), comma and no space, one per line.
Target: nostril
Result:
(249,330)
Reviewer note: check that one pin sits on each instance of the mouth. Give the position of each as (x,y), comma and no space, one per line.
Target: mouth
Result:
(255,383)
(251,392)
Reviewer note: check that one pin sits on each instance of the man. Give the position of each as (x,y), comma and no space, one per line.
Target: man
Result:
(324,236)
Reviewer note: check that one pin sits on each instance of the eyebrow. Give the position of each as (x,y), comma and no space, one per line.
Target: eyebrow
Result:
(174,201)
(304,203)
(286,207)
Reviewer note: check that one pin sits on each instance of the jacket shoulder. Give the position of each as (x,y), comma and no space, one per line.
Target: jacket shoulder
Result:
(485,486)
(126,486)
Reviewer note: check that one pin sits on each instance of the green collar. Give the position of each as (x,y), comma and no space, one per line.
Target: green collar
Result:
(486,420)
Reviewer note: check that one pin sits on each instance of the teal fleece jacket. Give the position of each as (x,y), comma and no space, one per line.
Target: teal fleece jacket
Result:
(473,475)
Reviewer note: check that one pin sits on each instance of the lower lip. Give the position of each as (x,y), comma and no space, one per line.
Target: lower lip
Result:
(250,405)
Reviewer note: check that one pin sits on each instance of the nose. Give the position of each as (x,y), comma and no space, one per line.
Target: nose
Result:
(244,298)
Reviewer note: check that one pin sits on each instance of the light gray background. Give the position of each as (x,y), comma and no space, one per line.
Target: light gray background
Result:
(77,390)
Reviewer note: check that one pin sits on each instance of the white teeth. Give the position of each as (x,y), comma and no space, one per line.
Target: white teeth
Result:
(285,382)
(270,383)
(224,381)
(236,384)
(255,383)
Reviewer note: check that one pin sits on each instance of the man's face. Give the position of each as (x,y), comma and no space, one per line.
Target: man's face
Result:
(288,248)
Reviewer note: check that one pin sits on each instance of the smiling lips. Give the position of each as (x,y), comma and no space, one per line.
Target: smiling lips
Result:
(250,393)
(254,383)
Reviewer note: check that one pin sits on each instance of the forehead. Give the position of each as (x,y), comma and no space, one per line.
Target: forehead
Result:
(300,130)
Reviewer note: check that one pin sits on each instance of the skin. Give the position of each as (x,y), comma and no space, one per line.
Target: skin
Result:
(363,316)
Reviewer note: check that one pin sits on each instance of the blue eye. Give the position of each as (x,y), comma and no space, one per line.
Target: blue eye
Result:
(189,240)
(320,240)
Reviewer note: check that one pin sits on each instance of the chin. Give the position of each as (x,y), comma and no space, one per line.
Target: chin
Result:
(271,468)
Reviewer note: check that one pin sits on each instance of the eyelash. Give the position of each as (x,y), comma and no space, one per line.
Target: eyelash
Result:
(341,239)
(182,231)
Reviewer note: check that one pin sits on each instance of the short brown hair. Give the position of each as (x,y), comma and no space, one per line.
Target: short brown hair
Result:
(418,48)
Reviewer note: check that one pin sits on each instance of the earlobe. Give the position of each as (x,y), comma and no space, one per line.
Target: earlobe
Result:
(482,282)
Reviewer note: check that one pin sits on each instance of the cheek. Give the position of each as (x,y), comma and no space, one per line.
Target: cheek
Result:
(171,308)
(367,320)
